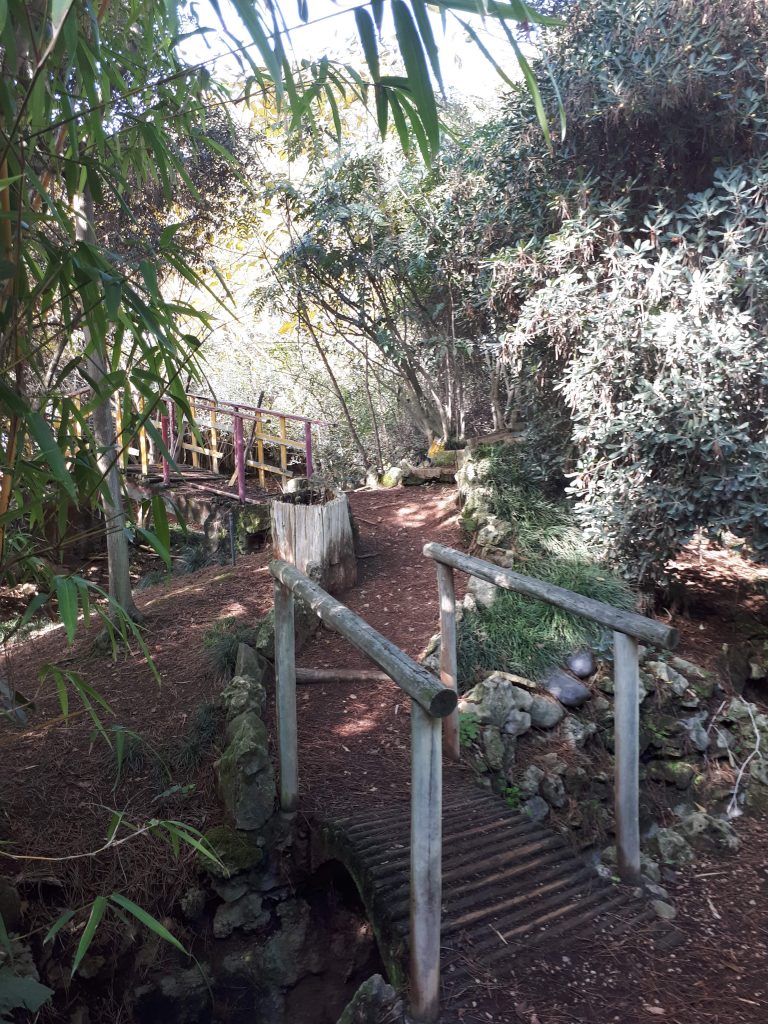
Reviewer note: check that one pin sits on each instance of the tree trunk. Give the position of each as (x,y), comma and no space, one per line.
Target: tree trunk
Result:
(106,446)
(318,534)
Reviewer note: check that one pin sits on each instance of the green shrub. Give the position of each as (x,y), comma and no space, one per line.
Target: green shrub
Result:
(469,728)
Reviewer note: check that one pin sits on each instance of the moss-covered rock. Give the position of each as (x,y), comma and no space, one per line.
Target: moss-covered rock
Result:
(707,833)
(241,694)
(249,662)
(244,773)
(673,773)
(236,851)
(375,1002)
(251,524)
(392,478)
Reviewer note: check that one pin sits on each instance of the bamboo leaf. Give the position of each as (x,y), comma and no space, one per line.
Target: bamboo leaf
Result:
(59,10)
(377,6)
(5,940)
(382,108)
(154,541)
(34,606)
(94,920)
(58,924)
(160,521)
(418,74)
(252,21)
(146,919)
(367,33)
(53,455)
(66,593)
(21,993)
(533,88)
(400,124)
(515,10)
(427,38)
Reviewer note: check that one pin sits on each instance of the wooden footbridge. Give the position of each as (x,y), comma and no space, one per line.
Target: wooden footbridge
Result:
(459,881)
(205,433)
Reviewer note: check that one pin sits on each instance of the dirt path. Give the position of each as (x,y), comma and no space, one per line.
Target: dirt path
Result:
(354,737)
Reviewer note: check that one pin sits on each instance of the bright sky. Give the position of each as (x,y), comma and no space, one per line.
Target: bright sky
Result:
(332,32)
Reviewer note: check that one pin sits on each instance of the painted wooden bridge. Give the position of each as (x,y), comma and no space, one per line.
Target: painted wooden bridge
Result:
(458,879)
(225,438)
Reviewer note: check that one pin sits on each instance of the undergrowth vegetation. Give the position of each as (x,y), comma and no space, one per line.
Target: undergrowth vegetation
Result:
(518,634)
(222,640)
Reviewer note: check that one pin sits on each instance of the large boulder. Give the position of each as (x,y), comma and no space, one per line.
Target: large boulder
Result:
(707,833)
(569,691)
(495,698)
(545,712)
(375,1002)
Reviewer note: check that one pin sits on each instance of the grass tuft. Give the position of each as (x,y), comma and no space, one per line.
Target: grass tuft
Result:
(222,640)
(517,634)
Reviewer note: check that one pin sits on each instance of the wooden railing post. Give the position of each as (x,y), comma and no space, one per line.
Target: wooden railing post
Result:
(260,449)
(308,447)
(165,433)
(627,753)
(192,424)
(426,864)
(214,440)
(448,662)
(285,668)
(283,448)
(239,457)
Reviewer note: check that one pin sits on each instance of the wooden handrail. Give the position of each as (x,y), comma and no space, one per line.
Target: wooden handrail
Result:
(257,410)
(411,677)
(629,623)
(628,628)
(430,703)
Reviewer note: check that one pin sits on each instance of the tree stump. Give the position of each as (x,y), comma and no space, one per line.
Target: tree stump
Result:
(314,525)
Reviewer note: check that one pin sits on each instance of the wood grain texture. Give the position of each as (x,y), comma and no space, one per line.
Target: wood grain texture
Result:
(426,864)
(626,677)
(448,658)
(319,534)
(285,671)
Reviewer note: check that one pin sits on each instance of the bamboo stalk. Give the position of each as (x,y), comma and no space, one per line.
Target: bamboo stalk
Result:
(143,441)
(214,441)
